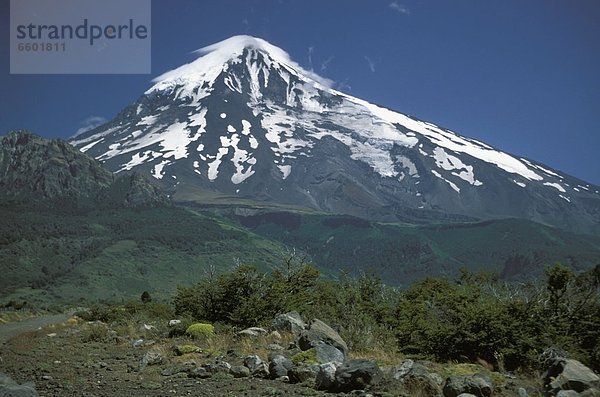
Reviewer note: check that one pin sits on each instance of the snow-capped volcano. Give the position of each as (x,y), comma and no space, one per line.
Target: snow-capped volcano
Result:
(246,121)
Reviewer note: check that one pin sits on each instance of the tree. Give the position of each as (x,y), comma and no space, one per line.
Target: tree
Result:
(146,297)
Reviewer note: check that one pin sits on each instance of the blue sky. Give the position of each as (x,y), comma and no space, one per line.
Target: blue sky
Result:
(523,76)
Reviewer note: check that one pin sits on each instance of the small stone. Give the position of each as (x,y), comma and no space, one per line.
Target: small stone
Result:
(46,377)
(151,358)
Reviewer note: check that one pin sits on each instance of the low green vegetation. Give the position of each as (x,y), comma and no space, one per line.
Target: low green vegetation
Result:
(516,249)
(475,318)
(50,257)
(200,330)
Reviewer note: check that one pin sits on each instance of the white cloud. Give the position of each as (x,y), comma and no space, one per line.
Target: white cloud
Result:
(89,124)
(325,63)
(370,63)
(311,49)
(394,5)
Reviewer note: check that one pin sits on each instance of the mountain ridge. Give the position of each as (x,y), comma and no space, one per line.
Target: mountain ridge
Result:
(35,170)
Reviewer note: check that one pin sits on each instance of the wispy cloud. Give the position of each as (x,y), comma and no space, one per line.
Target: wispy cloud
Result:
(344,86)
(311,49)
(394,5)
(370,63)
(89,124)
(246,24)
(325,63)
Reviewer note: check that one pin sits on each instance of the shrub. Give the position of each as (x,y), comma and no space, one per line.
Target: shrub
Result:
(200,330)
(306,357)
(180,350)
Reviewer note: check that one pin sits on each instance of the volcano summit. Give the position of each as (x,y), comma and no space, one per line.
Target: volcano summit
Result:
(245,122)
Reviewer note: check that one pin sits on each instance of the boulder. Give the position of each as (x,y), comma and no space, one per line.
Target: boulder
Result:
(200,372)
(252,362)
(569,374)
(261,371)
(218,367)
(289,322)
(415,376)
(239,371)
(275,347)
(303,373)
(317,331)
(257,367)
(279,366)
(327,353)
(253,332)
(479,385)
(356,375)
(10,388)
(325,379)
(173,323)
(151,358)
(186,367)
(568,393)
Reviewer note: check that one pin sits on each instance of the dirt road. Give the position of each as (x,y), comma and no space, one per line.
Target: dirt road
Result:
(10,330)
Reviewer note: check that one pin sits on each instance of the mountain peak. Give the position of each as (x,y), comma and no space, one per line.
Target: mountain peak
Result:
(245,121)
(217,57)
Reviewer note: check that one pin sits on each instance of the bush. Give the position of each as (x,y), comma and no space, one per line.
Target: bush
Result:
(245,297)
(200,330)
(306,357)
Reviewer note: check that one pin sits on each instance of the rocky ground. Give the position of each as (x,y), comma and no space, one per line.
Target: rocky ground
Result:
(79,358)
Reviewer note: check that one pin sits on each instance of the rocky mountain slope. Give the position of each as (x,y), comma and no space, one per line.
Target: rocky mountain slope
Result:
(244,121)
(38,170)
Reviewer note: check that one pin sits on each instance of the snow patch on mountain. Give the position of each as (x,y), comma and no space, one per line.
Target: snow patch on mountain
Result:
(556,186)
(198,77)
(452,184)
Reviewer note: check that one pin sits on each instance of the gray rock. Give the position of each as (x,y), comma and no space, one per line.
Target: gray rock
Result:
(403,369)
(303,373)
(415,376)
(325,379)
(327,353)
(239,371)
(261,371)
(356,375)
(218,367)
(279,366)
(151,358)
(288,322)
(201,373)
(275,347)
(10,388)
(252,362)
(480,385)
(466,395)
(253,332)
(186,367)
(569,374)
(567,393)
(318,331)
(522,392)
(590,393)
